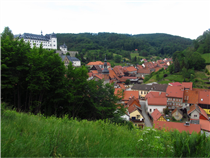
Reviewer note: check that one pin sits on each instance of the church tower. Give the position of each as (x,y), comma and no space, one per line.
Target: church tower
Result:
(105,72)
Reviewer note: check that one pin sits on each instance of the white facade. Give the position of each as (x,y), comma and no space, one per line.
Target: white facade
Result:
(49,41)
(76,63)
(151,108)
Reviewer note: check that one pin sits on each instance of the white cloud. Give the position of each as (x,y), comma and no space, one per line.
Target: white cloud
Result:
(184,18)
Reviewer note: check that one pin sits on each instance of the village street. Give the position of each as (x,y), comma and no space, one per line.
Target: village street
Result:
(146,120)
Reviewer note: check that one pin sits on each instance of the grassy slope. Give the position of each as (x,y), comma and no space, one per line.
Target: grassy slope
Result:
(206,57)
(24,135)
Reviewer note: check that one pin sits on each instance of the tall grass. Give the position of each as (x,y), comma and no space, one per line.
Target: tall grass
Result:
(27,135)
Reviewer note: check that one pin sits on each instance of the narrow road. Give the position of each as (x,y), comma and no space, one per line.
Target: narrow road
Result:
(146,117)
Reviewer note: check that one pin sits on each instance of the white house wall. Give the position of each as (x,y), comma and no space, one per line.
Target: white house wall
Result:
(153,107)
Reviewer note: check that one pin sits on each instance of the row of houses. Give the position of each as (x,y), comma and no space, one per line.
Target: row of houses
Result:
(158,97)
(120,74)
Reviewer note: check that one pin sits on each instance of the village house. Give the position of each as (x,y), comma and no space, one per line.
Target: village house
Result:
(129,94)
(157,116)
(177,114)
(67,58)
(143,72)
(190,98)
(171,126)
(99,63)
(156,100)
(174,96)
(119,71)
(130,71)
(142,89)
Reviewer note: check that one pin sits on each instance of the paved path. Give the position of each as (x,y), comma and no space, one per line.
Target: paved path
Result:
(146,117)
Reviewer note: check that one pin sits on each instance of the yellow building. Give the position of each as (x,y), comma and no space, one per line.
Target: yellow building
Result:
(157,116)
(137,118)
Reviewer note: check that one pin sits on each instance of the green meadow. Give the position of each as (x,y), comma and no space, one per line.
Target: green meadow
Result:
(28,135)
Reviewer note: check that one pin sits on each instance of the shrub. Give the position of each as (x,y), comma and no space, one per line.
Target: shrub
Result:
(165,75)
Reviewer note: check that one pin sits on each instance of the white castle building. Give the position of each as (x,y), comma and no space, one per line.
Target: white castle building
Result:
(49,41)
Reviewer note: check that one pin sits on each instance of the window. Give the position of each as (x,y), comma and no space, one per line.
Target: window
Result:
(174,99)
(135,124)
(138,116)
(150,110)
(195,115)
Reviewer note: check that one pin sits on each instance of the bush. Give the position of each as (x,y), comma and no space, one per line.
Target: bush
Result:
(165,75)
(166,111)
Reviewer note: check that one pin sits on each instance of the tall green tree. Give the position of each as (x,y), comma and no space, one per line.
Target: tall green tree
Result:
(7,32)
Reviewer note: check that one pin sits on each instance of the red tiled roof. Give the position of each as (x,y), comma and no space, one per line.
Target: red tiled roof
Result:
(135,101)
(157,101)
(128,94)
(112,74)
(118,91)
(175,84)
(174,91)
(192,108)
(122,86)
(191,96)
(94,71)
(187,85)
(96,63)
(170,126)
(176,110)
(203,113)
(204,97)
(205,125)
(143,71)
(156,98)
(156,115)
(98,77)
(130,69)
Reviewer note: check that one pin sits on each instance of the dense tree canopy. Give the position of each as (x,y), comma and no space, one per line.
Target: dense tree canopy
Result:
(36,80)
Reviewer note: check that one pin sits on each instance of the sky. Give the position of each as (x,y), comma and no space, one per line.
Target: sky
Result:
(185,18)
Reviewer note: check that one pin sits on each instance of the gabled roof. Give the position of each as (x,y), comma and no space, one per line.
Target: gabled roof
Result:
(159,87)
(191,96)
(175,84)
(170,126)
(121,86)
(204,97)
(118,70)
(157,101)
(97,76)
(96,63)
(118,91)
(174,92)
(156,115)
(90,74)
(94,71)
(177,110)
(112,75)
(131,109)
(205,125)
(135,101)
(203,113)
(141,87)
(187,85)
(143,71)
(128,94)
(129,69)
(192,108)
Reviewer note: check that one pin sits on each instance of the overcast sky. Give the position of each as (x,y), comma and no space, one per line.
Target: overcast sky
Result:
(185,18)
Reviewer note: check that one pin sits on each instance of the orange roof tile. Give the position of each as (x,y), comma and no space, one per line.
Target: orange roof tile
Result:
(192,108)
(90,74)
(122,86)
(176,110)
(204,97)
(98,77)
(118,91)
(175,84)
(170,126)
(94,71)
(143,71)
(203,113)
(128,94)
(187,85)
(156,115)
(96,63)
(130,68)
(205,125)
(156,98)
(174,91)
(135,101)
(112,75)
(191,96)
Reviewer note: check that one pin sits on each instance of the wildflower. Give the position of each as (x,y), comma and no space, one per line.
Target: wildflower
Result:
(157,137)
(140,140)
(172,151)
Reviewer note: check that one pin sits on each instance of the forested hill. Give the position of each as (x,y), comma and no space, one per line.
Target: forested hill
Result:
(147,44)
